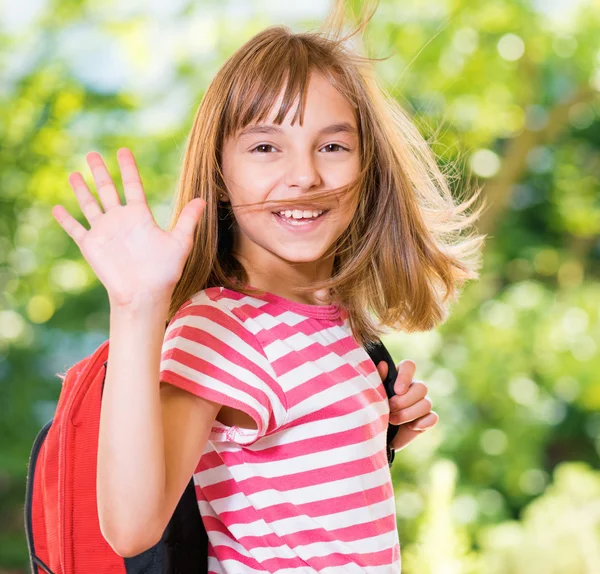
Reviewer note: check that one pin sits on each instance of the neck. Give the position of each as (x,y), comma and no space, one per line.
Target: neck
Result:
(280,276)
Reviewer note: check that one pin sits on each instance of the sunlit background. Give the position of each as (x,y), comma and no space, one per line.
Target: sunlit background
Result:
(507,92)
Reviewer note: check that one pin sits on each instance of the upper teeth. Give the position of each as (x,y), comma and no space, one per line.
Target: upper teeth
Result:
(299,214)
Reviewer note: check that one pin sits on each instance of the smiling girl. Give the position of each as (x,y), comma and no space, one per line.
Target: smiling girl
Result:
(310,216)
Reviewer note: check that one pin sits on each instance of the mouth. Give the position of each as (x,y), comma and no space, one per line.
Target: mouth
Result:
(322,211)
(307,221)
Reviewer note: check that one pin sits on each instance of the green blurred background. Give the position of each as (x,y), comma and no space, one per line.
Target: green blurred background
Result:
(507,91)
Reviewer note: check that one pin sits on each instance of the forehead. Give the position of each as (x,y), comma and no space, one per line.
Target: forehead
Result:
(314,103)
(320,97)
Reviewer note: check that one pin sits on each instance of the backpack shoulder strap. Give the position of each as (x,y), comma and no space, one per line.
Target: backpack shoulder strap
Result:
(378,353)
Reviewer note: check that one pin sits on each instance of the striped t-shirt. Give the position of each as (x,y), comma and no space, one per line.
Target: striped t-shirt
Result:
(309,490)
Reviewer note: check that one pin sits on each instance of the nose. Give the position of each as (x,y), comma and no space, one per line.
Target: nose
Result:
(302,171)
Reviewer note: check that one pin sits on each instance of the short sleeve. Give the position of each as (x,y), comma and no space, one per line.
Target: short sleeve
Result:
(209,352)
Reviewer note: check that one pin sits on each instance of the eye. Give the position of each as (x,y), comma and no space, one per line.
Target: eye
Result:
(334,144)
(253,150)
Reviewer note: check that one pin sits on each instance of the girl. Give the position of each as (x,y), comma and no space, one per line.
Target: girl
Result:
(307,204)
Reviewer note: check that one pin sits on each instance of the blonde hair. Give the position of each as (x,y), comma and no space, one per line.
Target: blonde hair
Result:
(402,258)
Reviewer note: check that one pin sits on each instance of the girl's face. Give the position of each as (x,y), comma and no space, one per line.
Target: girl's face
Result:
(273,162)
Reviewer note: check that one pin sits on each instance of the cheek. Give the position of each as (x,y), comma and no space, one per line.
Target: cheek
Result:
(263,174)
(344,174)
(253,182)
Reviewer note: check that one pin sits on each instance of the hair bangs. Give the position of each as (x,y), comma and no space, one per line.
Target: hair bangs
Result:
(282,65)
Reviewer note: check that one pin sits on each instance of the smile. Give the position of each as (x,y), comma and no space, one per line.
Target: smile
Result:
(303,224)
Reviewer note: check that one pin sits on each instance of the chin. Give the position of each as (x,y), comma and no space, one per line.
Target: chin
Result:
(298,259)
(300,255)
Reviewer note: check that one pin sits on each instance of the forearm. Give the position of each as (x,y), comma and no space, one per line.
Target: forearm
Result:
(131,456)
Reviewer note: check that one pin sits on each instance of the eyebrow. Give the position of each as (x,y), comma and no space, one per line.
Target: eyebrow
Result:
(271,129)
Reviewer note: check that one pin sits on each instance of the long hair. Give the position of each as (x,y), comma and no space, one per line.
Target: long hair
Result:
(403,258)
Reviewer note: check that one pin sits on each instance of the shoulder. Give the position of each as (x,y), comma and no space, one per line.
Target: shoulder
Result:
(209,303)
(214,310)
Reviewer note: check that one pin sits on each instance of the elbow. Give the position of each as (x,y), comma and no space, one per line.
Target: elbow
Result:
(128,545)
(126,534)
(130,551)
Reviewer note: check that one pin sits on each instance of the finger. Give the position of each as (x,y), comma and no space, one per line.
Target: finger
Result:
(104,183)
(73,228)
(382,368)
(415,393)
(425,422)
(411,413)
(87,202)
(406,434)
(130,175)
(188,219)
(406,371)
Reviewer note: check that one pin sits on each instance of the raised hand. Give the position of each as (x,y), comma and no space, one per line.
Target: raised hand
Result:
(410,407)
(132,256)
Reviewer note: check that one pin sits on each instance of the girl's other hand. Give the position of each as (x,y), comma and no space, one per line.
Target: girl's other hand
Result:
(132,256)
(410,407)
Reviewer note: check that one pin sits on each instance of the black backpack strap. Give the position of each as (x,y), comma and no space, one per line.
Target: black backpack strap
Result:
(183,547)
(185,541)
(378,353)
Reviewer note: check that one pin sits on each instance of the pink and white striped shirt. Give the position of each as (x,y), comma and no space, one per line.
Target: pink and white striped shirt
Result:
(309,490)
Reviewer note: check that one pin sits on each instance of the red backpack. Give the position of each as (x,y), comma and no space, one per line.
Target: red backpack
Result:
(61,515)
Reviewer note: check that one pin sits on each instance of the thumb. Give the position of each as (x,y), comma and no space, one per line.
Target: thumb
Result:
(188,219)
(382,367)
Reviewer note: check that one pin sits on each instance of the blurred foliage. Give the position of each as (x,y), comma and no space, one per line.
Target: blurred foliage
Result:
(507,92)
(558,531)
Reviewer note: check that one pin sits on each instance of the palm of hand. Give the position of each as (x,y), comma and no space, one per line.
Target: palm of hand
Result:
(126,248)
(130,254)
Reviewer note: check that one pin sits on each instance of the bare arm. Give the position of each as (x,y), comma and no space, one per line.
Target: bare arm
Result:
(151,435)
(144,457)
